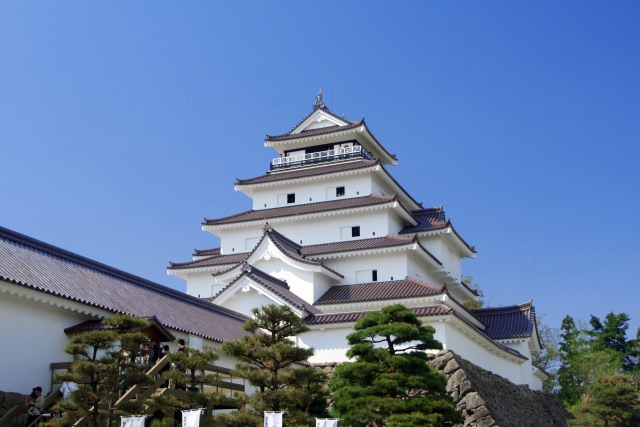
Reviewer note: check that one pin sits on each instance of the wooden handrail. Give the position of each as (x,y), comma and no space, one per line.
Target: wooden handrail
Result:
(8,419)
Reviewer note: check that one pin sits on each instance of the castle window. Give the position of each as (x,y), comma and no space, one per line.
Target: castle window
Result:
(339,191)
(374,275)
(355,231)
(291,198)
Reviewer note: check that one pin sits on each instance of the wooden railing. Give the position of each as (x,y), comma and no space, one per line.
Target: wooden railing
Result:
(142,393)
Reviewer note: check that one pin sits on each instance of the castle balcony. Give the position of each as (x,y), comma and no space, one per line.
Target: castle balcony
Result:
(320,157)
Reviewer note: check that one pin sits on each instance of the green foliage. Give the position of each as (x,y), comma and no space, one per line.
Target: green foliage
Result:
(548,358)
(476,303)
(190,371)
(102,367)
(390,381)
(591,357)
(611,402)
(275,366)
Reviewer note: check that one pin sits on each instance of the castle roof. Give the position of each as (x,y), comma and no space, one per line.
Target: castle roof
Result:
(323,169)
(324,124)
(331,318)
(379,291)
(32,264)
(272,284)
(215,260)
(295,210)
(516,321)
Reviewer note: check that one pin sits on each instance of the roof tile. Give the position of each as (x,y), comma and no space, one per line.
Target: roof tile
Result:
(33,264)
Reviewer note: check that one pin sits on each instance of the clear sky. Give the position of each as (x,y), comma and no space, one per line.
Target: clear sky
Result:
(124,124)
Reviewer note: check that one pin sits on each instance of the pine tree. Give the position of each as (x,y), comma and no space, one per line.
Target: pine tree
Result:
(102,368)
(190,370)
(390,383)
(612,401)
(273,364)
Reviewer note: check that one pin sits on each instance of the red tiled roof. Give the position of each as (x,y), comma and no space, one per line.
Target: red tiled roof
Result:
(325,169)
(314,132)
(36,265)
(432,219)
(295,210)
(515,321)
(212,261)
(332,318)
(428,219)
(206,252)
(356,245)
(379,291)
(323,108)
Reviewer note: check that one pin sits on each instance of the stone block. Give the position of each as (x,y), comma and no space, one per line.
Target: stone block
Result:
(451,366)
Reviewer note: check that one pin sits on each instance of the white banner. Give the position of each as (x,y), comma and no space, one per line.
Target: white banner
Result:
(191,418)
(273,419)
(132,421)
(326,422)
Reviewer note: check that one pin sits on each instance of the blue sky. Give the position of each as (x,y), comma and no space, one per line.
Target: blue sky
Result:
(124,124)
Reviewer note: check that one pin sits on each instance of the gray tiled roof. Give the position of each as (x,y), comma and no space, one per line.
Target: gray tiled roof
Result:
(325,169)
(379,291)
(516,321)
(308,208)
(36,265)
(332,318)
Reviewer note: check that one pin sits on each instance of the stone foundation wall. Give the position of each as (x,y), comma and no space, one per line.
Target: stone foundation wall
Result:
(488,400)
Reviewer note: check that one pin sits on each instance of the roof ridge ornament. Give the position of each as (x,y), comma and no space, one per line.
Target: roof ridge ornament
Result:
(319,104)
(246,267)
(267,228)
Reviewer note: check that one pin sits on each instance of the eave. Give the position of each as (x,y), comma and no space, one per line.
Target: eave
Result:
(361,133)
(466,251)
(297,217)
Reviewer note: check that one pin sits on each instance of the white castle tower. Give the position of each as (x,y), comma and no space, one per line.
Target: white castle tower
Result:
(333,235)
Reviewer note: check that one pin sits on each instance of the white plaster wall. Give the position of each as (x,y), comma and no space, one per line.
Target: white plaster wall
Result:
(445,253)
(202,284)
(319,230)
(418,269)
(300,282)
(329,344)
(312,191)
(388,266)
(486,357)
(244,302)
(33,335)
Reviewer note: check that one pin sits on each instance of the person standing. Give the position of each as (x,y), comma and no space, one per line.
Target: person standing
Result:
(154,351)
(35,405)
(181,348)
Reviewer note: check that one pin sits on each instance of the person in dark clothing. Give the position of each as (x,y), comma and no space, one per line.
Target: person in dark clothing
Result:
(181,348)
(163,352)
(154,351)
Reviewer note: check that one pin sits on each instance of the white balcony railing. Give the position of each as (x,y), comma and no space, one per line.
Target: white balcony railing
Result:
(320,156)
